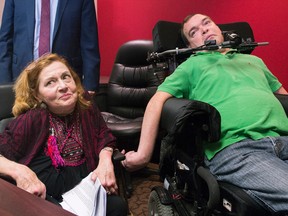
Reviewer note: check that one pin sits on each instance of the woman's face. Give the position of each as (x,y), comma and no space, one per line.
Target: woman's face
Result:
(57,89)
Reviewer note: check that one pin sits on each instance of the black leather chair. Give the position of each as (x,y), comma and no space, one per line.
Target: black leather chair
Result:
(6,100)
(189,187)
(132,83)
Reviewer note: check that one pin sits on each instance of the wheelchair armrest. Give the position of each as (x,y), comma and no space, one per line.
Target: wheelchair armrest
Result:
(213,187)
(177,111)
(283,100)
(118,156)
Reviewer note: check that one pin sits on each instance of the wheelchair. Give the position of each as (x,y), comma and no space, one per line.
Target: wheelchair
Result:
(189,189)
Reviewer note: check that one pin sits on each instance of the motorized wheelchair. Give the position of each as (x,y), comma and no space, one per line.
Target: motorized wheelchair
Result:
(189,188)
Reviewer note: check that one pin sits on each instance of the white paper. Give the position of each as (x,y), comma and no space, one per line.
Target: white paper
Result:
(86,199)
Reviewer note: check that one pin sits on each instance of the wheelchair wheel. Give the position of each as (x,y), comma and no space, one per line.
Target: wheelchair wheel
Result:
(156,208)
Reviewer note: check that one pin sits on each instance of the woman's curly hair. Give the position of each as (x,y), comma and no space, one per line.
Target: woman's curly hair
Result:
(27,85)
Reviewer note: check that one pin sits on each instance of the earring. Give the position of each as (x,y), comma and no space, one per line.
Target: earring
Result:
(43,105)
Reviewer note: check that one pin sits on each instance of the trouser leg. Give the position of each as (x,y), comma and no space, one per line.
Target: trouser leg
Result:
(116,206)
(259,167)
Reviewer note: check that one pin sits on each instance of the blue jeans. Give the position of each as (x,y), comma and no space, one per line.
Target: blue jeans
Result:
(259,167)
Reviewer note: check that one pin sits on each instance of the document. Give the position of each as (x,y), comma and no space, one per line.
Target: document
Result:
(86,199)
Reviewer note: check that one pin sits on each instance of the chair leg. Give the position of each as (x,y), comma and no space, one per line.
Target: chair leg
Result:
(119,170)
(122,186)
(126,182)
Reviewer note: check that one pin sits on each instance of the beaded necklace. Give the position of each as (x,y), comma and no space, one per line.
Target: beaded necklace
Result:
(64,145)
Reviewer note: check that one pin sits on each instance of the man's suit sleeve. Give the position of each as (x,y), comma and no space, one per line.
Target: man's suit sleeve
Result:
(90,47)
(6,43)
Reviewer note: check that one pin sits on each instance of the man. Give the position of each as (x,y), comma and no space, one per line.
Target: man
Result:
(73,35)
(252,152)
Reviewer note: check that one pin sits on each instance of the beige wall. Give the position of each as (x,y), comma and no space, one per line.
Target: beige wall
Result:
(1,9)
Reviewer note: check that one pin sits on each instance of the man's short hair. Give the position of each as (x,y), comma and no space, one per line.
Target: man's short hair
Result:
(186,19)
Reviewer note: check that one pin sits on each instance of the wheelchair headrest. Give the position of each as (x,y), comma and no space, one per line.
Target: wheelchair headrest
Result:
(167,35)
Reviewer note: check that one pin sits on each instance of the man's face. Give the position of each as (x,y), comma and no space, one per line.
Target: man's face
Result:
(200,28)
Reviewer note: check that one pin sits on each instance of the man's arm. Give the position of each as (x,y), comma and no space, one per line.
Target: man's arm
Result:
(150,125)
(281,90)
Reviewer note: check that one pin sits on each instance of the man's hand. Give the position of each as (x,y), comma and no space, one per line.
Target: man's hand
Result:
(134,161)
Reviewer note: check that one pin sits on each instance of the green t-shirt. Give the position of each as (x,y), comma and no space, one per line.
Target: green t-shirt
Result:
(240,87)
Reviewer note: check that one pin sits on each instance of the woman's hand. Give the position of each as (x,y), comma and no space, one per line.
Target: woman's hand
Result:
(25,178)
(105,172)
(29,181)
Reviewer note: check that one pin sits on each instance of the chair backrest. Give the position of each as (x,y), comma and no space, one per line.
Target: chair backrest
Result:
(168,41)
(284,101)
(167,35)
(7,98)
(133,80)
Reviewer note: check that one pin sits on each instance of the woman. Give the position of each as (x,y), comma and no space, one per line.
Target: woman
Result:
(58,133)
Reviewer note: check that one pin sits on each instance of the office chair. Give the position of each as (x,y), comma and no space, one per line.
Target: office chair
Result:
(6,101)
(133,81)
(189,187)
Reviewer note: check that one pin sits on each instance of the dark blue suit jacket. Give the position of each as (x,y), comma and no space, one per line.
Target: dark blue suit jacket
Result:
(75,37)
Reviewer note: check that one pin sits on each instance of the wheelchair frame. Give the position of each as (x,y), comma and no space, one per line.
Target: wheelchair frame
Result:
(189,188)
